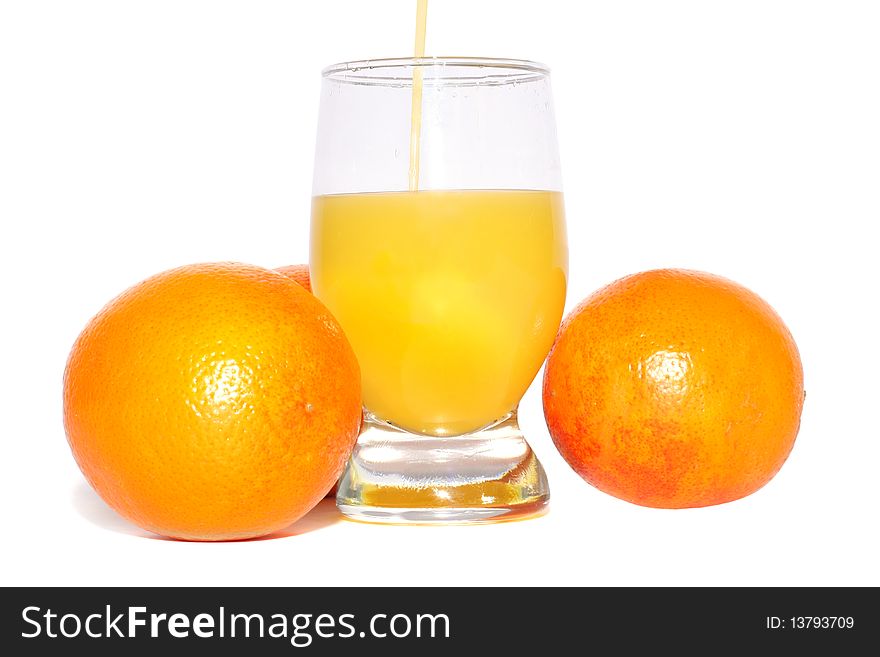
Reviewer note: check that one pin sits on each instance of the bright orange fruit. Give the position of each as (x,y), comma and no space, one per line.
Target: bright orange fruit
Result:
(299,273)
(673,389)
(212,402)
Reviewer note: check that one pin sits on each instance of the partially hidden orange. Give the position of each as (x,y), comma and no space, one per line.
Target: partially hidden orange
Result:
(674,388)
(299,273)
(212,402)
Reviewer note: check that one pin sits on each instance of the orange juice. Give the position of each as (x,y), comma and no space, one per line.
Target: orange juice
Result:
(451,299)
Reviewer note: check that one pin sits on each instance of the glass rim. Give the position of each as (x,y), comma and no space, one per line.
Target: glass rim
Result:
(486,70)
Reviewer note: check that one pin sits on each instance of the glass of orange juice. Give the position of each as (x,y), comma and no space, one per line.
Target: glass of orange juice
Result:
(438,241)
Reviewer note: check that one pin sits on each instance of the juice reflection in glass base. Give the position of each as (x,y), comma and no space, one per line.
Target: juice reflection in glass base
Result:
(397,477)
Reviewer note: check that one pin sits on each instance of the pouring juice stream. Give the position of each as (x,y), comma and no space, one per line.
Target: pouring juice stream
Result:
(416,113)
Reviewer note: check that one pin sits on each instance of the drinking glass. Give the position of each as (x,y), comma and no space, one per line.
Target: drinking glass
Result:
(447,273)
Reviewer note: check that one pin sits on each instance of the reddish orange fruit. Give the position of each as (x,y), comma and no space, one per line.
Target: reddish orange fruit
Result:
(673,389)
(299,273)
(212,402)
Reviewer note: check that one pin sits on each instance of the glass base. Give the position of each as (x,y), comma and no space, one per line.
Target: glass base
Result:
(395,476)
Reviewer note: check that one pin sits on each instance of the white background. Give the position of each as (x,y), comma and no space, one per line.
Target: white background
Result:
(741,138)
